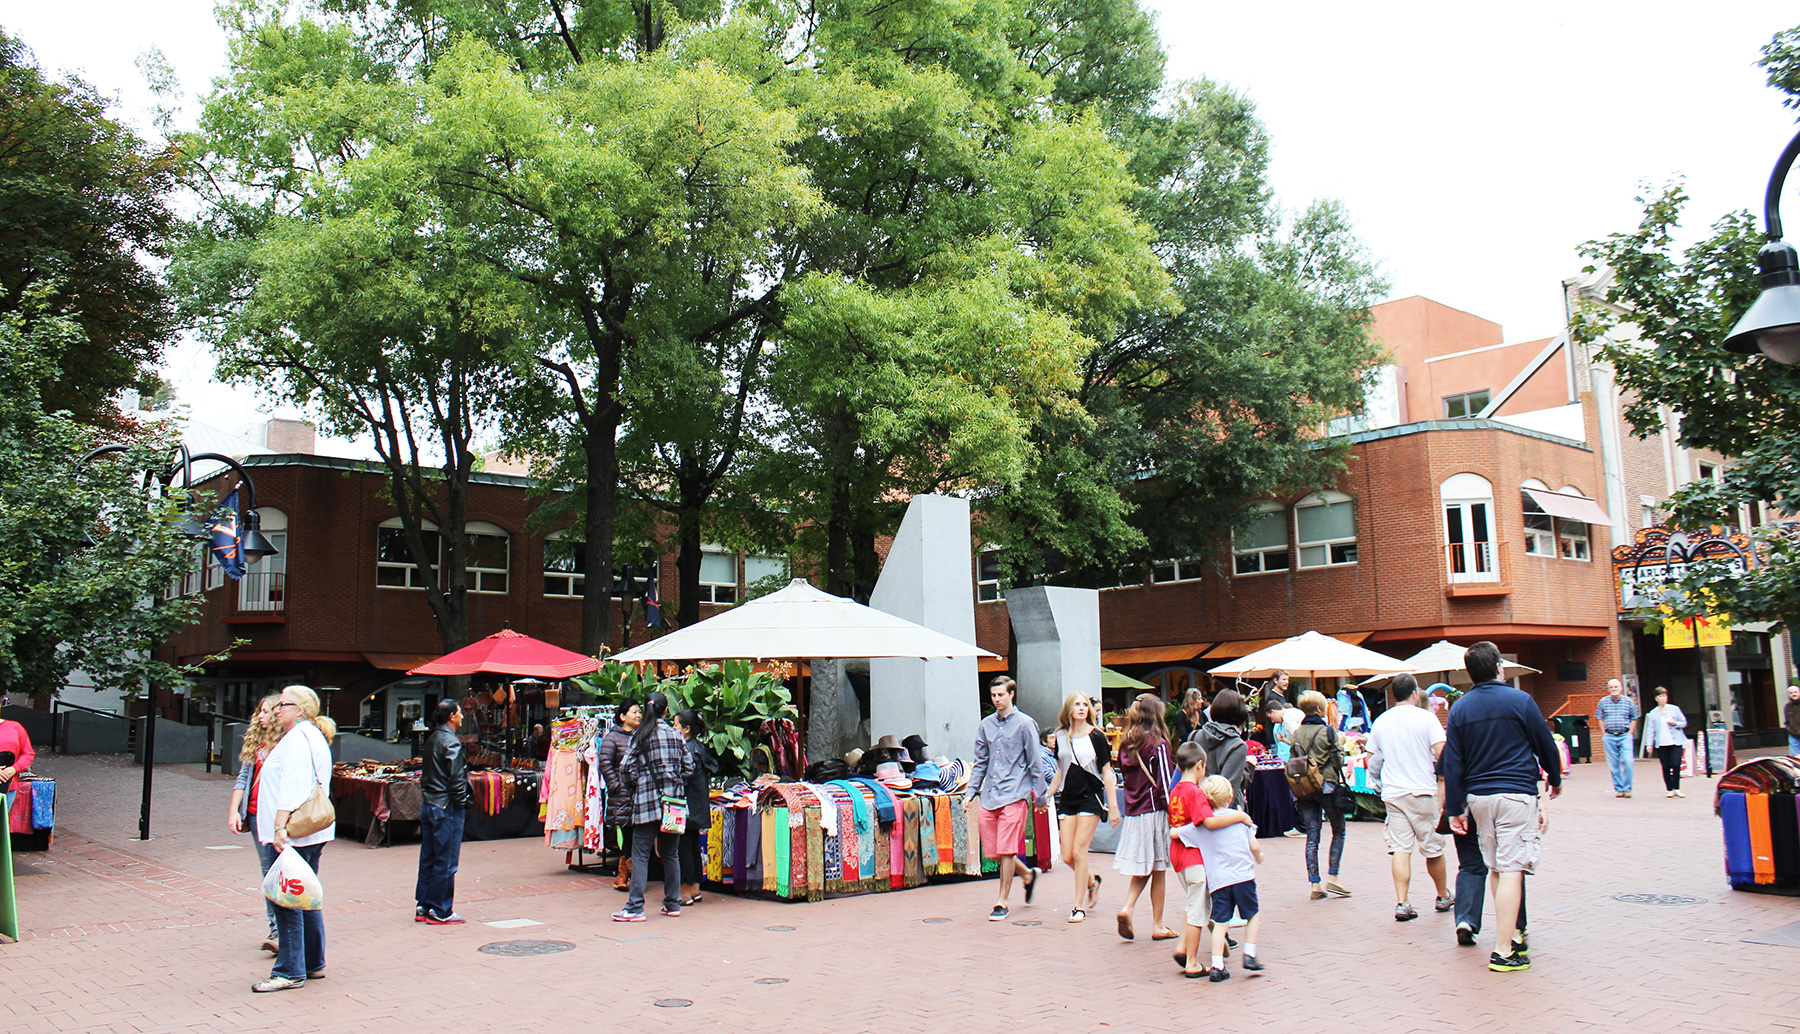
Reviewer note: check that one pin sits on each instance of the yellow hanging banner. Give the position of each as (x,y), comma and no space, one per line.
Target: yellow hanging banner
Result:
(1678,634)
(1712,631)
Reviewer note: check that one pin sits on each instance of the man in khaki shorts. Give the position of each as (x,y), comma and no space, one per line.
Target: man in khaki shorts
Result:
(1495,747)
(1405,743)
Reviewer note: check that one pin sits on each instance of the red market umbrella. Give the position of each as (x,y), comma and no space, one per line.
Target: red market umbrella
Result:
(506,652)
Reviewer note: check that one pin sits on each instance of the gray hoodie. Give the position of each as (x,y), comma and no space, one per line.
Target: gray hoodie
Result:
(1226,756)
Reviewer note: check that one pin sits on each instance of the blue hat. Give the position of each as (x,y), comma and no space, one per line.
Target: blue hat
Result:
(1435,686)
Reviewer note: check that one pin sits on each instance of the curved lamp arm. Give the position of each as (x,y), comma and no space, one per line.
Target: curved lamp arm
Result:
(1777,180)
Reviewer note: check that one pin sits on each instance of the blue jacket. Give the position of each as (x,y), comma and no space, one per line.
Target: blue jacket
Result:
(1496,742)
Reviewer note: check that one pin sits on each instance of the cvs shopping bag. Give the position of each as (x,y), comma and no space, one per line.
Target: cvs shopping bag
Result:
(291,883)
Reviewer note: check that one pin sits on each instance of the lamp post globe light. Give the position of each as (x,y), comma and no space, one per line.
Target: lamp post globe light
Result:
(1772,323)
(253,546)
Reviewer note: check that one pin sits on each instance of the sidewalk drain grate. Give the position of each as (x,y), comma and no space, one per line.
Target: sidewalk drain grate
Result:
(1028,922)
(1658,899)
(779,929)
(673,1003)
(521,949)
(772,980)
(936,920)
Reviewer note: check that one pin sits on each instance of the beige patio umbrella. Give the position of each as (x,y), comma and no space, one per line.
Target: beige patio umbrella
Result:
(1442,661)
(1311,655)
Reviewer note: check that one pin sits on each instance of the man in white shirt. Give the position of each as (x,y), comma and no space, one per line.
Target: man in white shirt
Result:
(1405,743)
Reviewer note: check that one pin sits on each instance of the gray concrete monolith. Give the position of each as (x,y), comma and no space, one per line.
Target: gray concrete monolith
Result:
(928,579)
(1057,632)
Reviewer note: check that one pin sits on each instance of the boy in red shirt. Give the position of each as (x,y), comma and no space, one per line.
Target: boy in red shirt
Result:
(1188,807)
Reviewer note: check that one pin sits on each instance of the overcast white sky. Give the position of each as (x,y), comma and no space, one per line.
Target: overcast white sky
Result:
(1476,146)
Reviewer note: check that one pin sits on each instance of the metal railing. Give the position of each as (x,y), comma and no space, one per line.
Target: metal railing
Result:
(1477,564)
(258,592)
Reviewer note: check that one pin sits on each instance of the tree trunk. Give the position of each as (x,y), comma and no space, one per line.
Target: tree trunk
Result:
(687,557)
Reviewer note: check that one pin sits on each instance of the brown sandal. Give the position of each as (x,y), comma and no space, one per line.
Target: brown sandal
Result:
(1125,926)
(1163,933)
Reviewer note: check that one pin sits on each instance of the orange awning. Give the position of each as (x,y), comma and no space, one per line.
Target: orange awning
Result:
(399,661)
(1153,654)
(1243,647)
(993,664)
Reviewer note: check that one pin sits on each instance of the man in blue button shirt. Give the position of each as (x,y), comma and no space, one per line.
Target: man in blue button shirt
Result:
(1007,774)
(1616,716)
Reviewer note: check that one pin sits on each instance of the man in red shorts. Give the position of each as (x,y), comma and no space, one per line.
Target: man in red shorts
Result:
(1005,777)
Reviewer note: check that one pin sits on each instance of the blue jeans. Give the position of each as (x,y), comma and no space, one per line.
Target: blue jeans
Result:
(1618,759)
(1794,744)
(302,933)
(265,856)
(440,850)
(643,836)
(1471,882)
(1312,815)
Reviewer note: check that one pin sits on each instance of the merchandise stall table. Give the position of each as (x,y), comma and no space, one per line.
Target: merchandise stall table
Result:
(1759,811)
(503,804)
(32,821)
(1269,802)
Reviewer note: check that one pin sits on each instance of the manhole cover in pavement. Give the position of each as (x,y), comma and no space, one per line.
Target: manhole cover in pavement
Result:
(1028,922)
(779,929)
(1658,899)
(673,1003)
(772,980)
(935,920)
(520,949)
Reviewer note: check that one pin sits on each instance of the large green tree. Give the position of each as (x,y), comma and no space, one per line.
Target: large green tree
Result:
(84,216)
(1667,308)
(84,549)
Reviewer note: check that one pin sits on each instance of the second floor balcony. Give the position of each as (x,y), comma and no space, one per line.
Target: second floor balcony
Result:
(1477,569)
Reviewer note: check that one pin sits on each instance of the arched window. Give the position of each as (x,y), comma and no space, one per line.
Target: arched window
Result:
(1540,527)
(1325,529)
(490,556)
(264,584)
(1263,546)
(565,564)
(394,566)
(1469,546)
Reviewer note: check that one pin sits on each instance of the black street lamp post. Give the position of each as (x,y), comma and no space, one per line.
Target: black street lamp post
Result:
(254,547)
(1772,323)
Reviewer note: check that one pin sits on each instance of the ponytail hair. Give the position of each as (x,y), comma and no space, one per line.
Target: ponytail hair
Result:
(655,707)
(309,710)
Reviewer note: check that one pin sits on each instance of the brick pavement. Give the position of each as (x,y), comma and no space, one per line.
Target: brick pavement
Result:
(161,936)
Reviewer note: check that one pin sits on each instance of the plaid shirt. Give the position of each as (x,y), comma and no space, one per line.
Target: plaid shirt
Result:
(1615,715)
(662,769)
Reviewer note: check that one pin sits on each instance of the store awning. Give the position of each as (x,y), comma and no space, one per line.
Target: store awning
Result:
(399,661)
(1245,647)
(1569,507)
(993,664)
(1153,654)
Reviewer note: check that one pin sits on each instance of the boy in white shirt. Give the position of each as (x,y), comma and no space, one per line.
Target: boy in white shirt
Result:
(1231,856)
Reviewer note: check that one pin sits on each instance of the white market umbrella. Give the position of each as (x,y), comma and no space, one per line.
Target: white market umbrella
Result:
(1311,655)
(1445,658)
(799,622)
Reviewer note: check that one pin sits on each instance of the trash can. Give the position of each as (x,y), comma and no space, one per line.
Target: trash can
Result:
(1573,728)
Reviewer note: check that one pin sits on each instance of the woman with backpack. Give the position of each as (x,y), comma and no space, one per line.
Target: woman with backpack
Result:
(1315,741)
(656,767)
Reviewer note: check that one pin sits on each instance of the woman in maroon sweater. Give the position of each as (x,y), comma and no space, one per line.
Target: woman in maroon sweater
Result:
(1145,765)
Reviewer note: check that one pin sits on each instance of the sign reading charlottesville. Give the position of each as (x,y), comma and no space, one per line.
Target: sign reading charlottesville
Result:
(1657,559)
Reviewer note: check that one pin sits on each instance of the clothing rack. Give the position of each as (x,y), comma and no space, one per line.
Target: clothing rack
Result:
(602,716)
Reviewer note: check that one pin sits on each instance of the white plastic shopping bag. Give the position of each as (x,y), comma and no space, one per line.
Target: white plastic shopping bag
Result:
(291,883)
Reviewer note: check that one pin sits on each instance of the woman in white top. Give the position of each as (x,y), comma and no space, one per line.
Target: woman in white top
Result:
(1083,791)
(298,764)
(1665,735)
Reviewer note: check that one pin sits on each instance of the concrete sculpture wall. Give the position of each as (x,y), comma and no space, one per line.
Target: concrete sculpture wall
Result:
(1058,635)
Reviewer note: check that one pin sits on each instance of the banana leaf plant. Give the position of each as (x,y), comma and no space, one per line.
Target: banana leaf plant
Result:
(733,700)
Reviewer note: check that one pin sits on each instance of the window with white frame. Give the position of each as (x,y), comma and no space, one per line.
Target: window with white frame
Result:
(1469,403)
(1572,535)
(765,571)
(193,578)
(1325,529)
(1263,546)
(1470,551)
(394,568)
(490,556)
(1185,570)
(1540,527)
(718,575)
(264,585)
(987,576)
(565,565)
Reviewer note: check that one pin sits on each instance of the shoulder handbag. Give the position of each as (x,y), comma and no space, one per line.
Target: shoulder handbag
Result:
(317,812)
(674,809)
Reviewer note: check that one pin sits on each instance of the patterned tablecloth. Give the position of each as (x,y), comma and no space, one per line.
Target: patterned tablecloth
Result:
(503,805)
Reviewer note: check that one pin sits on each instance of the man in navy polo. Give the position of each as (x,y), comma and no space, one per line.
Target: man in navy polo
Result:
(1616,716)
